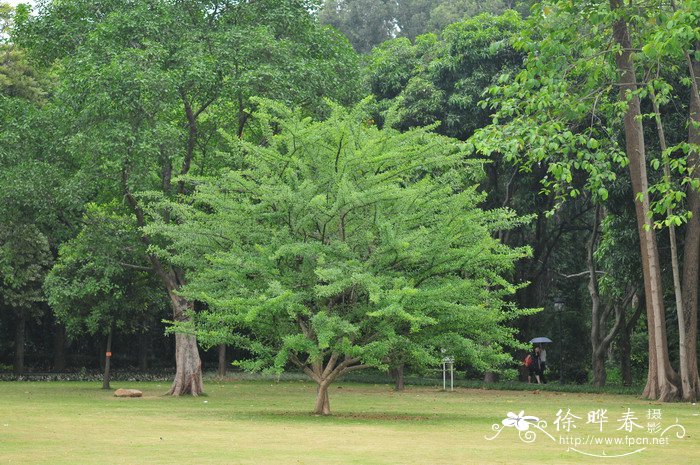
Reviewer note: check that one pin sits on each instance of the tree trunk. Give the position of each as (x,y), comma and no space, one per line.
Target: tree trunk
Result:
(59,347)
(691,252)
(597,352)
(144,348)
(108,359)
(188,365)
(490,377)
(323,406)
(20,331)
(675,268)
(397,374)
(599,373)
(625,338)
(222,360)
(625,354)
(600,338)
(661,380)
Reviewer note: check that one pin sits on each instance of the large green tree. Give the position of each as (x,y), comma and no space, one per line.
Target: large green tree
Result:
(337,244)
(146,85)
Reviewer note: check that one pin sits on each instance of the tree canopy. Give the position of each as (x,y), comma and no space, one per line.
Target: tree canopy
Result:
(337,242)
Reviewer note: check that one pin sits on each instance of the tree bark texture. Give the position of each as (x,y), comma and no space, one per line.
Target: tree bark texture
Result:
(691,252)
(661,379)
(323,405)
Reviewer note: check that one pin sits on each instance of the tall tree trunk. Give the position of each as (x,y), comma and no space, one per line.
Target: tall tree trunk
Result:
(20,331)
(691,252)
(661,379)
(675,268)
(323,405)
(597,320)
(222,360)
(59,347)
(108,360)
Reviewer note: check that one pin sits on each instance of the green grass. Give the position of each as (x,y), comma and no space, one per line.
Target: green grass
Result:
(263,422)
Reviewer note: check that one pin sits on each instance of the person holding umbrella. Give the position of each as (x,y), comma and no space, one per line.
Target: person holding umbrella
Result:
(542,356)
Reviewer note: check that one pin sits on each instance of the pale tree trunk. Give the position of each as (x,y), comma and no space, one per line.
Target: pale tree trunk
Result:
(675,268)
(323,405)
(188,365)
(222,360)
(691,252)
(661,379)
(108,359)
(324,376)
(20,331)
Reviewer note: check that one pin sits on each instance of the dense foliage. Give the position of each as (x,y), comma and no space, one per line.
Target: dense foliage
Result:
(337,244)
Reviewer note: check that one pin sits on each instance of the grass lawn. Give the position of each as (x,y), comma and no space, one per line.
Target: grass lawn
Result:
(258,422)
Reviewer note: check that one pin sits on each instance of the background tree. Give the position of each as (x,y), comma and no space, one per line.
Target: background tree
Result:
(144,81)
(101,283)
(568,93)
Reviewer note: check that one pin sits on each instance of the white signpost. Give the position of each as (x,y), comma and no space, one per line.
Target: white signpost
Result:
(448,363)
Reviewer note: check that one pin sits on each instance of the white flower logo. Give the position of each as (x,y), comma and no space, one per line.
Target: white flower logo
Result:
(520,421)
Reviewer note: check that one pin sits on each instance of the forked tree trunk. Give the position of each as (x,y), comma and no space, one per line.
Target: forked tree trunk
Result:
(600,338)
(108,359)
(20,331)
(222,360)
(323,405)
(661,379)
(691,252)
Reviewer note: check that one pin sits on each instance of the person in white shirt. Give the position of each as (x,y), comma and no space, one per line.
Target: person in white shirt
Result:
(543,363)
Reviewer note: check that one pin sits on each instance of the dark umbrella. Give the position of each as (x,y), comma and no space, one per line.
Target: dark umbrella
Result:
(540,339)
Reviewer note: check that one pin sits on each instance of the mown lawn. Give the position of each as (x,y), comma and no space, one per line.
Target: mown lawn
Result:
(256,422)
